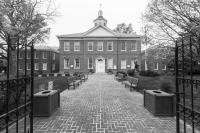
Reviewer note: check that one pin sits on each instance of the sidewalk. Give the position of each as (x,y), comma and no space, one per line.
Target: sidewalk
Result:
(103,105)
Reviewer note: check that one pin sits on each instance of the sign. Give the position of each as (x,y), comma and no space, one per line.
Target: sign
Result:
(42,87)
(50,85)
(115,67)
(128,65)
(71,65)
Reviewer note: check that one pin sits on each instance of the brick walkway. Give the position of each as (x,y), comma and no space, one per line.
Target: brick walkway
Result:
(103,105)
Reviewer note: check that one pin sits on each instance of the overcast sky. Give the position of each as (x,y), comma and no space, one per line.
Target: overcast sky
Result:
(77,15)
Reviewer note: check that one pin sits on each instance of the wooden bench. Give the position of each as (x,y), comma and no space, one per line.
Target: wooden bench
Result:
(120,77)
(71,81)
(131,82)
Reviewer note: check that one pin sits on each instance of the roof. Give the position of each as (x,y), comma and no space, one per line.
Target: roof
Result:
(100,18)
(45,48)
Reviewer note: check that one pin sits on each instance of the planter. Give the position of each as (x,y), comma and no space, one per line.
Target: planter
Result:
(159,103)
(46,102)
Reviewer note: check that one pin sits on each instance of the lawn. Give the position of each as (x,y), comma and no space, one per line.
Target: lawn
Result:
(154,83)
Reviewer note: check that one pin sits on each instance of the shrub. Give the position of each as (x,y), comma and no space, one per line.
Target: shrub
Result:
(40,72)
(59,74)
(44,75)
(166,84)
(67,74)
(51,75)
(149,73)
(131,72)
(77,74)
(35,74)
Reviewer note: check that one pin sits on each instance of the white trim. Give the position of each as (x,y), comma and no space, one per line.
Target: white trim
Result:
(35,66)
(27,64)
(111,44)
(21,57)
(36,54)
(65,63)
(75,44)
(92,29)
(43,55)
(92,46)
(43,66)
(125,64)
(157,66)
(66,43)
(98,45)
(125,46)
(164,68)
(21,65)
(135,46)
(75,64)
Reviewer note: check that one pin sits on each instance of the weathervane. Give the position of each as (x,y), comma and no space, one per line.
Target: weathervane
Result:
(100,6)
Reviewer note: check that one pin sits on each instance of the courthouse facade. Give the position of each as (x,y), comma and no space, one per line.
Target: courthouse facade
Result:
(99,49)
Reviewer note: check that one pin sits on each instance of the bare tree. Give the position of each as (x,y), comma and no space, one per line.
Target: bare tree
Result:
(22,22)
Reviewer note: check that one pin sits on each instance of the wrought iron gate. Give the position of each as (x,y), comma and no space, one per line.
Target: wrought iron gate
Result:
(16,91)
(187,86)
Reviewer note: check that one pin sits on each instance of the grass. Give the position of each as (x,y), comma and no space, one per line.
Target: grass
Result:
(153,83)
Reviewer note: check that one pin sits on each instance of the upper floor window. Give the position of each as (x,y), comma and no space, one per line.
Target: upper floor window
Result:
(20,55)
(133,46)
(66,64)
(123,46)
(54,56)
(110,46)
(36,55)
(44,55)
(99,46)
(76,46)
(66,46)
(90,46)
(28,55)
(76,63)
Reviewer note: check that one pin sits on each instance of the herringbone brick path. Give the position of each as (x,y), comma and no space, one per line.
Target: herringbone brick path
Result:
(103,105)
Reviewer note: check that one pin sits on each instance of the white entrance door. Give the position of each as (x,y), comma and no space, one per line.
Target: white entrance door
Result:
(100,67)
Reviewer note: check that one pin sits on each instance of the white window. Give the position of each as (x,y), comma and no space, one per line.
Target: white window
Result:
(36,66)
(28,55)
(76,46)
(53,66)
(36,55)
(44,55)
(44,66)
(20,55)
(66,46)
(110,63)
(156,66)
(110,46)
(20,66)
(76,63)
(66,64)
(133,46)
(132,64)
(123,64)
(54,56)
(28,66)
(123,46)
(90,46)
(100,46)
(163,67)
(90,64)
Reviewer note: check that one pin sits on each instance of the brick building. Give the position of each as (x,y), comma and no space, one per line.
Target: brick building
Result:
(46,59)
(155,60)
(99,49)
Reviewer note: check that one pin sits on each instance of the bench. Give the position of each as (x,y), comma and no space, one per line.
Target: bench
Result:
(83,77)
(120,77)
(71,81)
(131,82)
